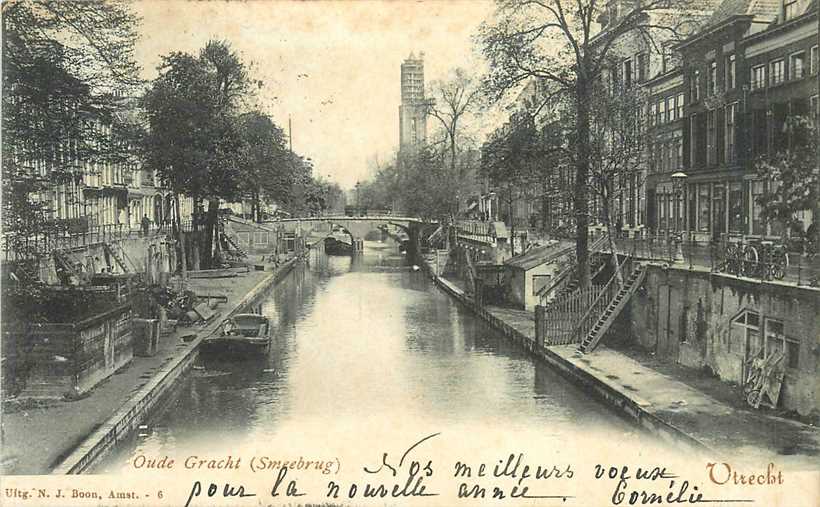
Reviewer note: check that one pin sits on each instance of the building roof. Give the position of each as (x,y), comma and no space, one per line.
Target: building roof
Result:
(541,254)
(764,9)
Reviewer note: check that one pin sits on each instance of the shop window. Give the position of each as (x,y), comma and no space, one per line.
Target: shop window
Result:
(758,225)
(736,207)
(718,209)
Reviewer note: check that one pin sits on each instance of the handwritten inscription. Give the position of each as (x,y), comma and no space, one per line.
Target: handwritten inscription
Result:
(649,492)
(513,467)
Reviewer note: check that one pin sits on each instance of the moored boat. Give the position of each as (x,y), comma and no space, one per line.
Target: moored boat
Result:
(245,333)
(336,246)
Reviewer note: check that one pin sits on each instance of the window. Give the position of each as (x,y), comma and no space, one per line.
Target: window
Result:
(704,207)
(729,135)
(260,238)
(736,212)
(628,73)
(748,323)
(679,154)
(758,77)
(679,105)
(694,91)
(653,110)
(758,225)
(244,238)
(661,112)
(797,63)
(670,109)
(643,67)
(711,138)
(730,72)
(790,9)
(711,84)
(814,62)
(776,72)
(693,140)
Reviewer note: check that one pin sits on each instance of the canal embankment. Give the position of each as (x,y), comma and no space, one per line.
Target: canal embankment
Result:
(695,415)
(64,437)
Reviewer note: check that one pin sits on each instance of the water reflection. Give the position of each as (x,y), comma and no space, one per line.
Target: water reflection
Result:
(365,346)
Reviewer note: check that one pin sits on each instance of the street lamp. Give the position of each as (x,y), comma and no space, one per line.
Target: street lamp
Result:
(678,183)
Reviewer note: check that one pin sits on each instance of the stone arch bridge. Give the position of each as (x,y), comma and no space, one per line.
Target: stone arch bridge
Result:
(357,227)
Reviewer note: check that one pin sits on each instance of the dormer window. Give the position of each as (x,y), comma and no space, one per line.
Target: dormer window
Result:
(790,10)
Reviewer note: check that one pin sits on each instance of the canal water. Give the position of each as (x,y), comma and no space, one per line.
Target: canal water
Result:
(368,351)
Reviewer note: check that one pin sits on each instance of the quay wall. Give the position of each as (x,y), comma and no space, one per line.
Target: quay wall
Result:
(616,399)
(721,323)
(139,406)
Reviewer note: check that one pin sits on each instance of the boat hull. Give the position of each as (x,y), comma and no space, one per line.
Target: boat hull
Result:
(237,346)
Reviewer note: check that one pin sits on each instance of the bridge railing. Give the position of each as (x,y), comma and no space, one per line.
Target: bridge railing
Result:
(474,228)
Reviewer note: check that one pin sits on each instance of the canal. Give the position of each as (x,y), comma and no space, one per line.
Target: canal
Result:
(368,350)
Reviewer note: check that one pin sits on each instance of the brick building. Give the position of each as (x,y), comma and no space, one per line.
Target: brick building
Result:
(750,68)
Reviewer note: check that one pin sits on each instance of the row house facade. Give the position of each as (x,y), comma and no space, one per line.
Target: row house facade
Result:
(641,63)
(740,78)
(111,194)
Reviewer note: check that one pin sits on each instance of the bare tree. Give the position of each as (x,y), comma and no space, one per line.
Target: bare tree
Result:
(453,100)
(563,42)
(616,155)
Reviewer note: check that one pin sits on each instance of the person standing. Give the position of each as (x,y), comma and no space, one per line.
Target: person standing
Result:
(145,223)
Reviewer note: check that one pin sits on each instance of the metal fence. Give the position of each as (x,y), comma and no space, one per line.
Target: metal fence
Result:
(38,245)
(751,258)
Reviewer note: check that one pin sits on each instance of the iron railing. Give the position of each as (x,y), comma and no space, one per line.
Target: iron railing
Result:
(756,258)
(38,245)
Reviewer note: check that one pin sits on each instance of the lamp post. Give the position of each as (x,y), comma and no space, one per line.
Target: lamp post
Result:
(678,182)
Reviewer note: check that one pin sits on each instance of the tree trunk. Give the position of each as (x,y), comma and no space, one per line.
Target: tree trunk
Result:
(611,242)
(581,203)
(181,239)
(512,223)
(208,233)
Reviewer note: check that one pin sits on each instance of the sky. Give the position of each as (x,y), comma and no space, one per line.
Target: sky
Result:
(332,67)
